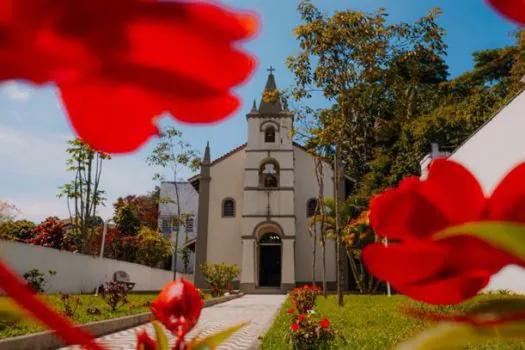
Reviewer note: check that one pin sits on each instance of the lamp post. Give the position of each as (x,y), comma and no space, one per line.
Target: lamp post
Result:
(388,290)
(104,232)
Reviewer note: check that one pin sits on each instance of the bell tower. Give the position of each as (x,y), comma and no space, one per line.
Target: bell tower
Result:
(268,222)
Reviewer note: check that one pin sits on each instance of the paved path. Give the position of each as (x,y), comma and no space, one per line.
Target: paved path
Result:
(259,310)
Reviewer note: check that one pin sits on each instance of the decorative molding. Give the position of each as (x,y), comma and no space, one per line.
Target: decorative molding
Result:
(269,150)
(265,216)
(274,123)
(269,189)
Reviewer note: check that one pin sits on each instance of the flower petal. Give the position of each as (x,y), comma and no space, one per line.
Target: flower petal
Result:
(455,191)
(507,202)
(404,214)
(512,9)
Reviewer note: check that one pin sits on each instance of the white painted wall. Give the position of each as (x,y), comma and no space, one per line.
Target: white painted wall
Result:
(78,273)
(490,154)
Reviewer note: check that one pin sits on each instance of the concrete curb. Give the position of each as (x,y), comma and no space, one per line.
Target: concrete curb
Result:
(47,340)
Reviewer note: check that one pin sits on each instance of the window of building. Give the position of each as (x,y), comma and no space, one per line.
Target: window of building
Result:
(269,174)
(228,208)
(269,134)
(311,207)
(189,224)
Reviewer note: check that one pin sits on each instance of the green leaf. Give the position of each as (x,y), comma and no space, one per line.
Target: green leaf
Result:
(211,342)
(162,340)
(454,334)
(507,236)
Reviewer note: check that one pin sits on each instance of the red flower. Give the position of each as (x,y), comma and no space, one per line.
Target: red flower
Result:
(451,270)
(178,307)
(291,310)
(325,323)
(145,342)
(295,327)
(512,9)
(120,64)
(300,318)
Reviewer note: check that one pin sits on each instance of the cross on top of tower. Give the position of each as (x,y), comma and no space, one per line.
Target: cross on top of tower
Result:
(271,70)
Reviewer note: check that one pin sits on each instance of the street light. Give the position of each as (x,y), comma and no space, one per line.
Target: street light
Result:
(104,232)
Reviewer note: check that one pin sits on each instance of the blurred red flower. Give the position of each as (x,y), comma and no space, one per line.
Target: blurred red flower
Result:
(512,9)
(324,323)
(145,342)
(291,310)
(178,307)
(119,64)
(450,270)
(295,327)
(300,318)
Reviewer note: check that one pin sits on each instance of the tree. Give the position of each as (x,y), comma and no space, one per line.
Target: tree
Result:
(145,208)
(153,248)
(51,234)
(19,230)
(348,57)
(8,211)
(173,153)
(127,221)
(83,192)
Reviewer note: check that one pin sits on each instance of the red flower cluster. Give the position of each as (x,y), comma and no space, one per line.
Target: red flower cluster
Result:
(119,64)
(51,234)
(512,9)
(451,270)
(178,308)
(304,298)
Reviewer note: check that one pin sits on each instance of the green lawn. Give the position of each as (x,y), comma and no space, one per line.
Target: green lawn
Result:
(372,322)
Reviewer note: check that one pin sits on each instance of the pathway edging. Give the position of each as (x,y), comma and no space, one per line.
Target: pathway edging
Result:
(47,340)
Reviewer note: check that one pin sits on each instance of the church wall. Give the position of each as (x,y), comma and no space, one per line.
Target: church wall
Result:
(281,202)
(306,187)
(224,234)
(490,153)
(282,132)
(256,158)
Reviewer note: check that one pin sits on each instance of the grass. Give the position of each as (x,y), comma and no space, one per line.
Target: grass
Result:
(373,323)
(137,304)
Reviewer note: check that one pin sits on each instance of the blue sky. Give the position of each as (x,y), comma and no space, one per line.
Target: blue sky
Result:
(33,126)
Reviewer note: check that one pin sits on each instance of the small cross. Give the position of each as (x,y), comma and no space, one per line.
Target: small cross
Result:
(271,70)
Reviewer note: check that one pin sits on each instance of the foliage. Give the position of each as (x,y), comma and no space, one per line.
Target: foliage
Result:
(174,153)
(371,322)
(304,298)
(127,221)
(51,234)
(219,276)
(19,230)
(83,194)
(36,279)
(8,211)
(70,304)
(185,253)
(144,209)
(152,247)
(310,331)
(115,295)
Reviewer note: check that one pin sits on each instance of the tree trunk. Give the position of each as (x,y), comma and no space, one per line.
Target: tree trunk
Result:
(177,230)
(339,263)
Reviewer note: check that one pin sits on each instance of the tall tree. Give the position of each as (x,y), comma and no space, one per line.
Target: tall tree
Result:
(347,57)
(174,154)
(8,211)
(83,194)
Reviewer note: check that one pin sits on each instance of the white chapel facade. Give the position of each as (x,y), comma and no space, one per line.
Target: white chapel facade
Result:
(254,204)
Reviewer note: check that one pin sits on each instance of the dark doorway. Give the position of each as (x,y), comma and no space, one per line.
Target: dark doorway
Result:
(270,261)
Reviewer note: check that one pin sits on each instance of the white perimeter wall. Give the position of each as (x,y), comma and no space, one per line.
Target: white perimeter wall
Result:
(78,273)
(490,154)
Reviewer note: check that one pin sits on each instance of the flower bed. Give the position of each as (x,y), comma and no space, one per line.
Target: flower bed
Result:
(372,322)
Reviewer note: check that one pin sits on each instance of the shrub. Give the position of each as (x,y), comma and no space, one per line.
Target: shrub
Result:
(304,298)
(115,295)
(37,280)
(310,332)
(20,230)
(219,276)
(51,234)
(70,304)
(153,248)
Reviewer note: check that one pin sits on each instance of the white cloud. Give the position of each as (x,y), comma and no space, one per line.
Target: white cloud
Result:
(16,92)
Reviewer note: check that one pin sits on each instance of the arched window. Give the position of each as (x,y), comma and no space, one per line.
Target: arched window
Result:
(311,207)
(269,174)
(228,208)
(269,134)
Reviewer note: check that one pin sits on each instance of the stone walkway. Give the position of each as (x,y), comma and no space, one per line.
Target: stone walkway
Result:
(259,310)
